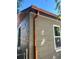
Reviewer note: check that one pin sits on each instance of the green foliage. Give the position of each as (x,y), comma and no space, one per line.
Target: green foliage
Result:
(18,4)
(58,7)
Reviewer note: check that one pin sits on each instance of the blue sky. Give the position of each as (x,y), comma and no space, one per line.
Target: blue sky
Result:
(48,5)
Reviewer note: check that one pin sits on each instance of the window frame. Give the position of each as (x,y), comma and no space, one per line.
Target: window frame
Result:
(56,48)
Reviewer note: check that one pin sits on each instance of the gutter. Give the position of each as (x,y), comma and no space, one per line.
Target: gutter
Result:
(34,37)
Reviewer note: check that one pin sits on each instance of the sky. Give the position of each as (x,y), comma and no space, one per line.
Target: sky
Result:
(48,5)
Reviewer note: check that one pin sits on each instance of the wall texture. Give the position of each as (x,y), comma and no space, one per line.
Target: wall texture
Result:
(45,37)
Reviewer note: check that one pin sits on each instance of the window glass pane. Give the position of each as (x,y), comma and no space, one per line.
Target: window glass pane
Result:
(19,35)
(58,42)
(57,31)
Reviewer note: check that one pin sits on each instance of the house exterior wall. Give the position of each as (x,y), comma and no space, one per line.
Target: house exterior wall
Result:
(44,37)
(24,26)
(24,38)
(31,40)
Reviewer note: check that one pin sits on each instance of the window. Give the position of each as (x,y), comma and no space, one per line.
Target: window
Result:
(19,35)
(57,39)
(57,31)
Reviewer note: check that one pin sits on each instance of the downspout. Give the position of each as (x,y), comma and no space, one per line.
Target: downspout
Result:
(34,36)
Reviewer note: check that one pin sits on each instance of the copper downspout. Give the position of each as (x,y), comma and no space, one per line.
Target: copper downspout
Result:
(34,37)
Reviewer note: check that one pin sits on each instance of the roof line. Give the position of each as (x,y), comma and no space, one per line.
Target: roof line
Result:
(40,10)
